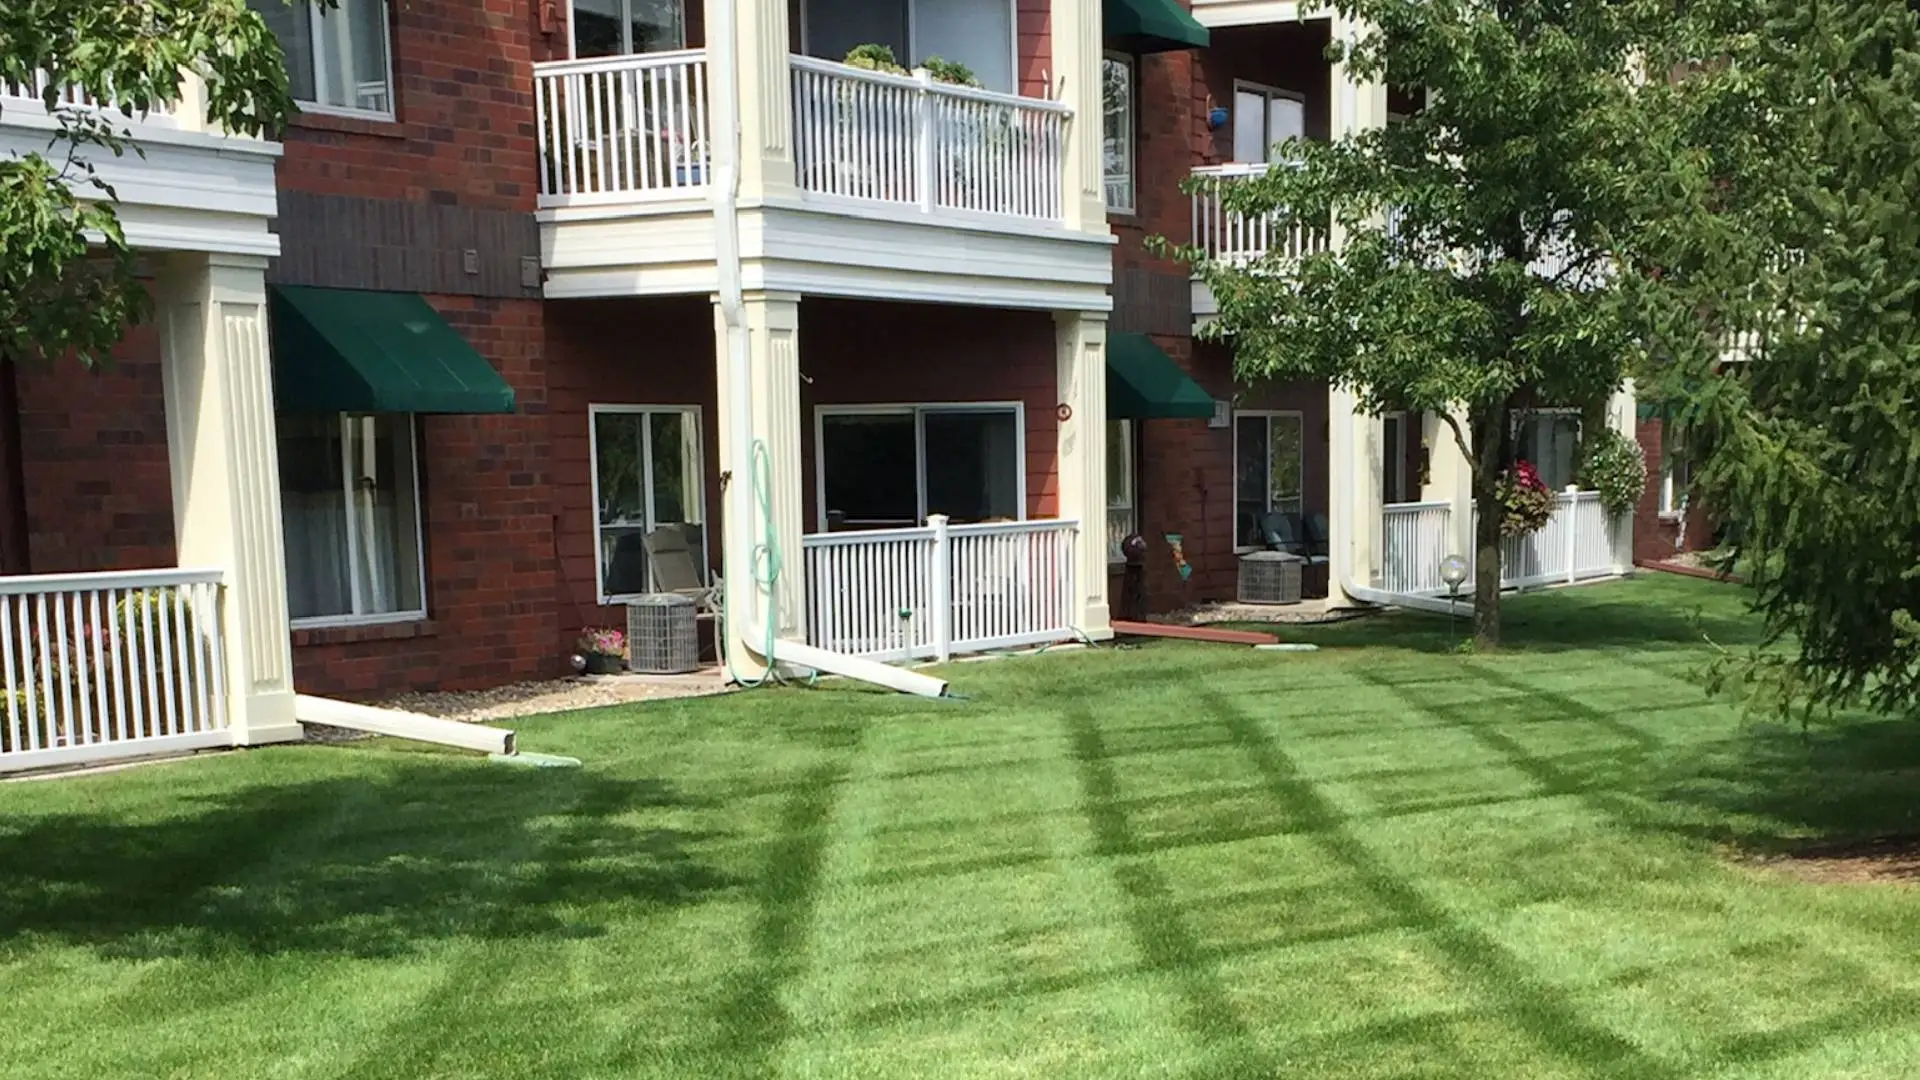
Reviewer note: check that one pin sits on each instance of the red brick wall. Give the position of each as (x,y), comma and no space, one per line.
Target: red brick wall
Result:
(1656,537)
(463,130)
(1033,23)
(94,455)
(620,352)
(871,353)
(489,531)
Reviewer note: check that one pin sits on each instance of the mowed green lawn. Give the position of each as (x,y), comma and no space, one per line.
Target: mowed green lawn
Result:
(1379,860)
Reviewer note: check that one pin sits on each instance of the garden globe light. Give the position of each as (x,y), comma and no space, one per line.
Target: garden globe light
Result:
(1453,571)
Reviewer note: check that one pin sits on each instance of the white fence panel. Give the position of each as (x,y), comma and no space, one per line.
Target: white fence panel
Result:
(871,593)
(899,594)
(1230,236)
(1414,541)
(911,141)
(101,666)
(1012,584)
(619,128)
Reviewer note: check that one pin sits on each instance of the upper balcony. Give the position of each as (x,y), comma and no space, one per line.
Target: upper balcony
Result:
(191,186)
(890,185)
(1229,236)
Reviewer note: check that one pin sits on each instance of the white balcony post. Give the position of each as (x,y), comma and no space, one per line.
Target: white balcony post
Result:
(764,82)
(218,384)
(925,131)
(1081,342)
(942,587)
(1077,80)
(773,347)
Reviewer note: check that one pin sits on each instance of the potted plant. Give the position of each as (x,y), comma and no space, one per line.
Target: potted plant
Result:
(604,650)
(1525,501)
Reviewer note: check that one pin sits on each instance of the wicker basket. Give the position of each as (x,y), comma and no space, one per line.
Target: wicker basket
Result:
(663,637)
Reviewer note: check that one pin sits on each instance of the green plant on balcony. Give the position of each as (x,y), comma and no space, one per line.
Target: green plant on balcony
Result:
(874,57)
(1614,466)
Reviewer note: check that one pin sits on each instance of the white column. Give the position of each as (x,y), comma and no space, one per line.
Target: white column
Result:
(1450,479)
(226,477)
(1076,78)
(773,393)
(765,87)
(1354,440)
(1623,415)
(1356,459)
(1080,339)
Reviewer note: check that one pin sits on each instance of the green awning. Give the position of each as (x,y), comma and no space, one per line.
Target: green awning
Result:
(351,350)
(1145,26)
(1143,383)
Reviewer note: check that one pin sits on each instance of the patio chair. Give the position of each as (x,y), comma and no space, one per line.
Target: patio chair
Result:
(674,551)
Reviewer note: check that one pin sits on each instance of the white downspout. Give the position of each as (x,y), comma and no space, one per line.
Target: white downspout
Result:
(742,603)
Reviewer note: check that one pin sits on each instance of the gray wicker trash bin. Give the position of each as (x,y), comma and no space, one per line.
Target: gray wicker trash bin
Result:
(663,636)
(1269,577)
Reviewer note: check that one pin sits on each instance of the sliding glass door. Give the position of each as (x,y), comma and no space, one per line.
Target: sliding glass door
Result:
(976,33)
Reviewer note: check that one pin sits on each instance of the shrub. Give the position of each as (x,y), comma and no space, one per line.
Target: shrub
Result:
(1526,503)
(1614,466)
(871,57)
(950,71)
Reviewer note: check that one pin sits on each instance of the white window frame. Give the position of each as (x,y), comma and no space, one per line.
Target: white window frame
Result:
(698,501)
(1266,119)
(626,30)
(315,12)
(1672,495)
(1131,205)
(355,587)
(918,410)
(1238,415)
(1129,431)
(913,38)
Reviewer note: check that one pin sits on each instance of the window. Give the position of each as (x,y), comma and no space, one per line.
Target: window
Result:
(1117,135)
(336,56)
(1267,471)
(1397,486)
(350,506)
(1676,474)
(646,476)
(616,27)
(976,33)
(1263,117)
(1122,518)
(889,467)
(1550,438)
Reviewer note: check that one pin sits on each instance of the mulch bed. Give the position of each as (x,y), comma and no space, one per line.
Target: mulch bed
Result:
(1882,860)
(1666,566)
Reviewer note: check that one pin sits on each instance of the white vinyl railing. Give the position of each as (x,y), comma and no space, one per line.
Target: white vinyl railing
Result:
(620,128)
(1580,542)
(1413,542)
(927,593)
(103,666)
(32,94)
(1229,236)
(939,148)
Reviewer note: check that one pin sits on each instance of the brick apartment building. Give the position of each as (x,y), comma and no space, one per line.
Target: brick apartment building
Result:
(535,190)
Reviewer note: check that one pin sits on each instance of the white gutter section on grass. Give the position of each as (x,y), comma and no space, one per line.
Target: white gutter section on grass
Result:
(401,725)
(741,603)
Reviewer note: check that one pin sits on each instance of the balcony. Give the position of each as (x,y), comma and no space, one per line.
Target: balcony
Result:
(901,187)
(1229,236)
(191,186)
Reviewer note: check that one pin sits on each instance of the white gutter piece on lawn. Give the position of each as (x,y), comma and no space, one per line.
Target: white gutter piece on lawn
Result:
(402,725)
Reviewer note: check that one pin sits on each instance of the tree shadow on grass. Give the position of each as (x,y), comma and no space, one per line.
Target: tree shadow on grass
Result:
(1773,788)
(375,863)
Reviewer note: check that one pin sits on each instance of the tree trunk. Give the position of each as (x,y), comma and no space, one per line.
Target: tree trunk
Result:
(1490,451)
(13,476)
